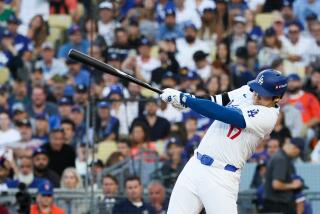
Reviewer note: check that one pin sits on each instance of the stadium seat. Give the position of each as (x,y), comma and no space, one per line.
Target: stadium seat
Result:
(60,21)
(310,173)
(105,149)
(264,20)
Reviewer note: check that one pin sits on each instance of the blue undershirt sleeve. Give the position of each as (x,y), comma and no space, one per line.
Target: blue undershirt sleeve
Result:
(214,111)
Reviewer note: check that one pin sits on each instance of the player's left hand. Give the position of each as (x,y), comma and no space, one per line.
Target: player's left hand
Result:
(172,96)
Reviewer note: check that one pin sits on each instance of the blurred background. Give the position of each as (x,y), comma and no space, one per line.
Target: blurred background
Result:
(76,140)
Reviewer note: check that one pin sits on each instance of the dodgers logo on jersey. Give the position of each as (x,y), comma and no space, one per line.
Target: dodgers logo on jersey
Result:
(253,112)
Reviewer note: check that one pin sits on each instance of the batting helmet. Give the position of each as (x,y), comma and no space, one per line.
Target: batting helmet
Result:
(269,83)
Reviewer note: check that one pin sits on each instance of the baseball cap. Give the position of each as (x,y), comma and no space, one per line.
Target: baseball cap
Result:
(242,52)
(209,6)
(73,28)
(286,3)
(97,163)
(18,108)
(105,5)
(81,88)
(115,89)
(145,41)
(77,108)
(170,12)
(23,122)
(47,45)
(298,142)
(65,101)
(38,151)
(14,19)
(294,77)
(239,19)
(199,55)
(45,188)
(270,32)
(40,117)
(170,75)
(112,56)
(174,141)
(189,25)
(103,104)
(7,34)
(312,17)
(70,61)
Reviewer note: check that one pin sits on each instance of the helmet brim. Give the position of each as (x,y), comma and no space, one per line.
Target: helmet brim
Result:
(256,87)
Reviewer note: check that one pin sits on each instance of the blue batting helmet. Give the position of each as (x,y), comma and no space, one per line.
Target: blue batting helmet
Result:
(269,83)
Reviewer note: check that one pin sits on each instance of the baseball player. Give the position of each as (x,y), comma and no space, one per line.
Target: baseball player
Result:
(242,117)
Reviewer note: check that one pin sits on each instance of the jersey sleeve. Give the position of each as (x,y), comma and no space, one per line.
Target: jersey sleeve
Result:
(259,119)
(234,95)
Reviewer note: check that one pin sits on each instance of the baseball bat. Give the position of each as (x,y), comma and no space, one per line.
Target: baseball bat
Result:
(106,68)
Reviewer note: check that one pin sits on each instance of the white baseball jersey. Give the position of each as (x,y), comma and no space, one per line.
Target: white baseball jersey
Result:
(233,145)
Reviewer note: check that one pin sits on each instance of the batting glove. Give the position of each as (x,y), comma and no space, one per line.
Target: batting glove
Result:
(174,97)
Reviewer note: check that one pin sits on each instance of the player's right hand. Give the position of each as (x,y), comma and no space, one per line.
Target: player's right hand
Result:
(172,96)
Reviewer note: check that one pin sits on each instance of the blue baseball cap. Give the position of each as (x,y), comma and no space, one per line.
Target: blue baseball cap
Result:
(40,116)
(38,151)
(192,75)
(189,25)
(65,101)
(170,12)
(77,108)
(145,41)
(45,188)
(115,89)
(294,77)
(104,104)
(298,142)
(14,19)
(112,56)
(269,83)
(73,28)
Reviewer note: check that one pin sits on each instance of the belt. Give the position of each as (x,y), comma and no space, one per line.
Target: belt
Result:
(208,161)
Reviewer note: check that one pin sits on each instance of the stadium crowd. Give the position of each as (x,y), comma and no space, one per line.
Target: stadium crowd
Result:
(66,125)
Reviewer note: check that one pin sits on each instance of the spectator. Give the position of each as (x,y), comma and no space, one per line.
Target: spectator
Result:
(69,128)
(170,28)
(5,13)
(81,95)
(240,71)
(4,174)
(157,197)
(254,31)
(306,103)
(190,43)
(77,116)
(202,65)
(57,88)
(19,94)
(60,154)
(312,85)
(27,143)
(108,126)
(296,49)
(64,107)
(238,38)
(303,8)
(110,187)
(92,35)
(193,138)
(209,30)
(145,61)
(280,131)
(134,202)
(75,42)
(114,158)
(8,134)
(252,48)
(25,175)
(41,160)
(223,54)
(38,31)
(41,131)
(280,185)
(315,32)
(49,64)
(213,85)
(106,24)
(121,46)
(158,127)
(273,146)
(271,49)
(278,24)
(185,14)
(70,179)
(76,76)
(44,202)
(19,112)
(174,165)
(123,146)
(21,43)
(39,105)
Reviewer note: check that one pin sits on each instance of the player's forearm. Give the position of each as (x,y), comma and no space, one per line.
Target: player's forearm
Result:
(217,112)
(221,99)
